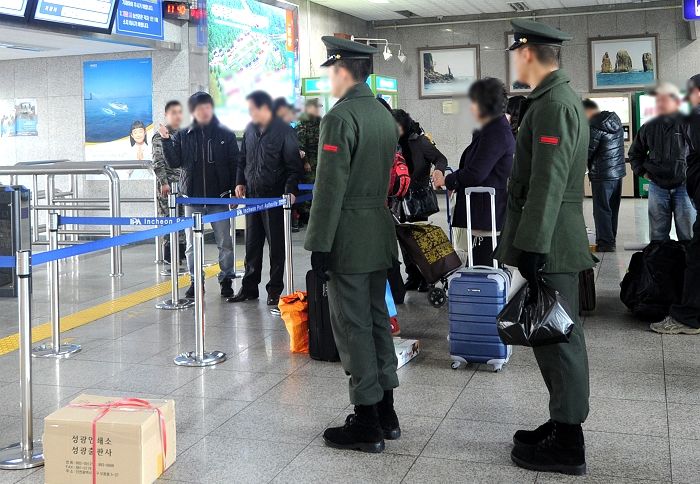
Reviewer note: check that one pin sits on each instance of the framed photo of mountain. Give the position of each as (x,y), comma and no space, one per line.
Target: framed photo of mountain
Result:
(623,63)
(448,71)
(514,86)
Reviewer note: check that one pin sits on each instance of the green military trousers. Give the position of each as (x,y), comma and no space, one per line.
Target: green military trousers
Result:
(564,366)
(360,322)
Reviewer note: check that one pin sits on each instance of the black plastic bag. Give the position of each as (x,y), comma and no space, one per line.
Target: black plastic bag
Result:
(546,322)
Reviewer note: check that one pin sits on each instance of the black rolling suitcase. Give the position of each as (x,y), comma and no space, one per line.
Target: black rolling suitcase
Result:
(321,343)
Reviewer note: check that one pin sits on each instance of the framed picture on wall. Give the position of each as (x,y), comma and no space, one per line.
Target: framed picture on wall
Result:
(448,71)
(623,63)
(514,87)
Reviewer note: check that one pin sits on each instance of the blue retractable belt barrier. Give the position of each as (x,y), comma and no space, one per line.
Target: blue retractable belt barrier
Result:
(305,187)
(157,221)
(97,245)
(216,217)
(7,261)
(94,246)
(224,201)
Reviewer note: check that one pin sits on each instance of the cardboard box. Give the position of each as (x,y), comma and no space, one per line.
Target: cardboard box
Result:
(406,350)
(129,447)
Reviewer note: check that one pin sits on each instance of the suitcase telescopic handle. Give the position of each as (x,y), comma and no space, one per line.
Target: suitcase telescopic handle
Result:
(492,195)
(449,215)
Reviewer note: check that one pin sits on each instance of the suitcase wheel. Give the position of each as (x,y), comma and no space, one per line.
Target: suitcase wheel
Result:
(437,297)
(456,365)
(497,368)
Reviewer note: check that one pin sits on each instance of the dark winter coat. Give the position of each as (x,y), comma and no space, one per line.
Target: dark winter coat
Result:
(487,161)
(421,155)
(270,161)
(606,150)
(208,157)
(693,173)
(660,149)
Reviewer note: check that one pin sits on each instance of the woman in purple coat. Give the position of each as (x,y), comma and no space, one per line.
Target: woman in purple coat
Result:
(486,162)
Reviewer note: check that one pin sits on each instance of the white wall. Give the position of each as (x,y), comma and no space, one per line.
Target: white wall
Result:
(679,58)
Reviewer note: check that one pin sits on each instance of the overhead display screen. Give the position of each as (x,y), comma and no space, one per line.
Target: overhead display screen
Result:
(13,8)
(95,15)
(252,45)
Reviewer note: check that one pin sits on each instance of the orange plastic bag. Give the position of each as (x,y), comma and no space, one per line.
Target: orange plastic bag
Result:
(295,313)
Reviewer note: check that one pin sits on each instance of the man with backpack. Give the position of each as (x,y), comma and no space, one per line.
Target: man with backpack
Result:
(658,154)
(684,318)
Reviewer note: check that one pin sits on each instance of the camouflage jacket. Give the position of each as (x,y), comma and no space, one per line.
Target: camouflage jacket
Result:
(164,173)
(308,132)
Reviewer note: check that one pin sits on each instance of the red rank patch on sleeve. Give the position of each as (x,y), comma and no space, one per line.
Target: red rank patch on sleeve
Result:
(549,140)
(331,148)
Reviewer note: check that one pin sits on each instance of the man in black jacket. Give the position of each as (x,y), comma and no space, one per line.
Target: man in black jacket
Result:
(685,317)
(270,166)
(658,154)
(207,153)
(606,169)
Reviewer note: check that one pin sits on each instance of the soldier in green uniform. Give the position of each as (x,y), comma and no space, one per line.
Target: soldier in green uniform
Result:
(166,175)
(545,236)
(308,132)
(353,243)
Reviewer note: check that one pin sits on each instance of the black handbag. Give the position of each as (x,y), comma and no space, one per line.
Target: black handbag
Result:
(420,203)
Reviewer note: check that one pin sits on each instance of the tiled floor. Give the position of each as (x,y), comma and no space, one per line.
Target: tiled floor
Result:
(258,416)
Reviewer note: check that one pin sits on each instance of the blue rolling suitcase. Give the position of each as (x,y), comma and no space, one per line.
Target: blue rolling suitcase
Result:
(476,296)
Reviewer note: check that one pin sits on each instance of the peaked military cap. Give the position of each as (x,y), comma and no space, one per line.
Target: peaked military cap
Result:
(528,31)
(339,48)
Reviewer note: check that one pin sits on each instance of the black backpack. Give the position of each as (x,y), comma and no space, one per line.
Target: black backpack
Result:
(654,280)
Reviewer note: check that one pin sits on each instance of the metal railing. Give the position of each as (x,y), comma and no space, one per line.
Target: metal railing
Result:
(69,202)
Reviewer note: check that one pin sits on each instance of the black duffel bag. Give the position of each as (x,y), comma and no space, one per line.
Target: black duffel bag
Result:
(654,280)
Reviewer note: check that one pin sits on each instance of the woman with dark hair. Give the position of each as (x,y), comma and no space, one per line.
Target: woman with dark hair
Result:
(421,156)
(513,112)
(487,161)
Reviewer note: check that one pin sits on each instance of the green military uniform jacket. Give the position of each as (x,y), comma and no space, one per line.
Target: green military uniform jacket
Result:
(349,216)
(545,192)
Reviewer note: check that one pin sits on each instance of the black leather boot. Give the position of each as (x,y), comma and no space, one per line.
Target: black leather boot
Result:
(387,416)
(360,432)
(562,451)
(533,437)
(242,296)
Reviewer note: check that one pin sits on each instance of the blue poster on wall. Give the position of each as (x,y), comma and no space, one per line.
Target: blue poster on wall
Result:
(118,98)
(140,18)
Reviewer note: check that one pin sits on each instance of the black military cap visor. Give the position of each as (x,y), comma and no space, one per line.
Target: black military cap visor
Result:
(522,39)
(336,56)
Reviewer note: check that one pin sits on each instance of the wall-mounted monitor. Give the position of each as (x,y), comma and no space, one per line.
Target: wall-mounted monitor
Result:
(14,8)
(94,15)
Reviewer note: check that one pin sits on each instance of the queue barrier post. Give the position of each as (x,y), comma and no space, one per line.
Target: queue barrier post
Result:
(199,357)
(172,204)
(289,265)
(156,205)
(55,349)
(174,303)
(27,453)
